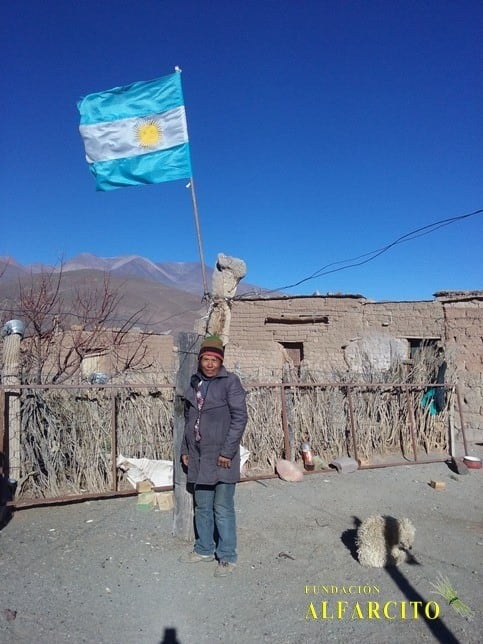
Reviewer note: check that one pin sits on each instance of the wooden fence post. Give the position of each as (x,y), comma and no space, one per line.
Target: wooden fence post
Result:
(289,448)
(183,527)
(12,333)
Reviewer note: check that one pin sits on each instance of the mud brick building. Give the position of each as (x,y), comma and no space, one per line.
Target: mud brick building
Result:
(334,336)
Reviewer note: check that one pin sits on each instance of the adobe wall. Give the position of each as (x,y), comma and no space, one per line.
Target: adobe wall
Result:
(463,342)
(346,326)
(158,359)
(256,337)
(148,357)
(405,319)
(260,327)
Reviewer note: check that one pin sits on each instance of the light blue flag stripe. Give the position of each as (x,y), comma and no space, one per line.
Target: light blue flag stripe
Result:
(136,100)
(136,134)
(156,167)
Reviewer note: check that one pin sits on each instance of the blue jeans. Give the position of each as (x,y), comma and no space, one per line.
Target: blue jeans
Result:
(215,521)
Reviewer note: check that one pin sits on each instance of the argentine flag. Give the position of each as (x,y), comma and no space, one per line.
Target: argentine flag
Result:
(136,134)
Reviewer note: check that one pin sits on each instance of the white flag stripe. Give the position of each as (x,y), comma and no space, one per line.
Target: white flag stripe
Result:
(120,139)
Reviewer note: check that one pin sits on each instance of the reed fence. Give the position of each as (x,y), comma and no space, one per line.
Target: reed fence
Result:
(71,436)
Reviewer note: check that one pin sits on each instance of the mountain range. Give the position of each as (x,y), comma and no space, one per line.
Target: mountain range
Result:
(168,294)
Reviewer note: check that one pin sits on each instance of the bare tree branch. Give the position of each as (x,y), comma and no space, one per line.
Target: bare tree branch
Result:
(61,334)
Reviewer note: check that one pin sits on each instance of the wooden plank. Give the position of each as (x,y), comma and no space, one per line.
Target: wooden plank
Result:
(183,523)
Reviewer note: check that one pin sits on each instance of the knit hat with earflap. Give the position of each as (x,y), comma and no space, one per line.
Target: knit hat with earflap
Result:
(212,345)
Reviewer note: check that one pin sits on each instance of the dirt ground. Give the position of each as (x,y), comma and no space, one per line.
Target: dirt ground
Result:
(108,571)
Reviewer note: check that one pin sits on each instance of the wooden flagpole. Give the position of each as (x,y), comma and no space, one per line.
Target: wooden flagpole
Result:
(198,237)
(191,185)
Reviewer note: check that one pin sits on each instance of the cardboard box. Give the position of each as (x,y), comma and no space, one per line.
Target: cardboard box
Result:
(146,501)
(165,500)
(143,486)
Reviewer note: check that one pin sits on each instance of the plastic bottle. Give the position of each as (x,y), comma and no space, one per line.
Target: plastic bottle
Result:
(307,457)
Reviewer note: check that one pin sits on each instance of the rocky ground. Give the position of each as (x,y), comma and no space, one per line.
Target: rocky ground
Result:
(107,571)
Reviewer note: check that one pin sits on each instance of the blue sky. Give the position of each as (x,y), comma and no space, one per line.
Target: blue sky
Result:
(319,130)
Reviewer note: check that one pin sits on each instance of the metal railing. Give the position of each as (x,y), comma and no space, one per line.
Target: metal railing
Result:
(71,436)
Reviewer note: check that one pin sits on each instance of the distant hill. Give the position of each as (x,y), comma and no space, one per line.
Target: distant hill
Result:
(185,276)
(169,294)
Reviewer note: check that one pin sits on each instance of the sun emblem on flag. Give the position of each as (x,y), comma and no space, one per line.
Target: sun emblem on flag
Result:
(149,133)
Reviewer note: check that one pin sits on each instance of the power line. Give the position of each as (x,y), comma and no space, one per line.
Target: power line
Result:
(356,261)
(371,255)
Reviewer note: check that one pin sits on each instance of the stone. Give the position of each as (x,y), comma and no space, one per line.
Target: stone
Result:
(289,471)
(345,464)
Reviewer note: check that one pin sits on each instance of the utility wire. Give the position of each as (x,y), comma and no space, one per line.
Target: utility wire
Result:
(356,261)
(371,255)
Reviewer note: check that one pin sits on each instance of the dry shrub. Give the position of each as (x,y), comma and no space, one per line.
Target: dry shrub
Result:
(65,443)
(318,415)
(66,437)
(145,423)
(384,416)
(263,435)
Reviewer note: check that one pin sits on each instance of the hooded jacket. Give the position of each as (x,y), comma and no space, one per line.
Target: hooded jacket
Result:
(222,422)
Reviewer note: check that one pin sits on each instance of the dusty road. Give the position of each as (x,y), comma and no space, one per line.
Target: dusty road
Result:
(108,572)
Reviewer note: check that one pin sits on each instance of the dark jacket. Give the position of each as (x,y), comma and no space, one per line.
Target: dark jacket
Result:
(222,423)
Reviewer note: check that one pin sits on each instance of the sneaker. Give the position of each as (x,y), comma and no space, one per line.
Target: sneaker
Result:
(224,569)
(194,557)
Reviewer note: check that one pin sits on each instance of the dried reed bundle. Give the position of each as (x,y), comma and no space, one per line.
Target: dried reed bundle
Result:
(263,435)
(444,588)
(66,439)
